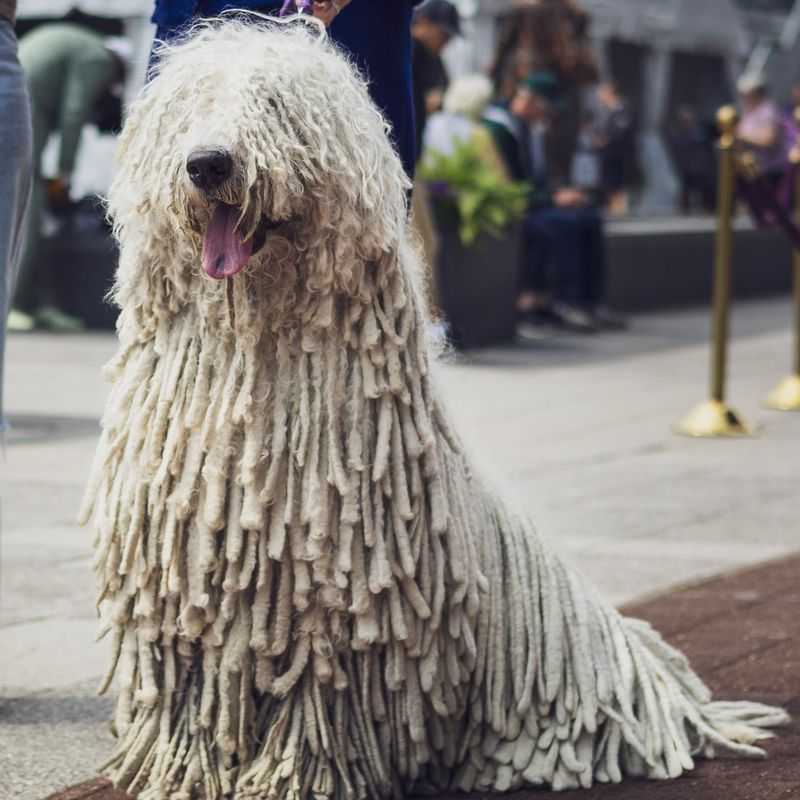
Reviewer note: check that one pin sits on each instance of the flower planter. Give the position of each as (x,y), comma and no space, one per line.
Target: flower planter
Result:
(476,286)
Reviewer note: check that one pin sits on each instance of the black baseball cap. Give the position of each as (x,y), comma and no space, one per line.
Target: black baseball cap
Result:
(442,13)
(544,84)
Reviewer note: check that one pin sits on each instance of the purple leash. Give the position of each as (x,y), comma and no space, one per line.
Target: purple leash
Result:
(296,7)
(771,206)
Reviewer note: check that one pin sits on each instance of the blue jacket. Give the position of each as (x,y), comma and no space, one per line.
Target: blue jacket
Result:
(170,13)
(377,33)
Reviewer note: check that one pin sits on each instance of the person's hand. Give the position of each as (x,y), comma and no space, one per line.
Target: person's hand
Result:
(569,197)
(433,100)
(326,10)
(58,194)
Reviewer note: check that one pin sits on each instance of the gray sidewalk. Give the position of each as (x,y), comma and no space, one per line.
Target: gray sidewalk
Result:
(577,427)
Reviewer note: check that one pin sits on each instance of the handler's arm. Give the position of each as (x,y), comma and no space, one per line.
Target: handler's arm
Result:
(86,80)
(326,10)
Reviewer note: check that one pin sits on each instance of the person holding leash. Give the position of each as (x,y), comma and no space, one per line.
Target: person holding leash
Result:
(376,35)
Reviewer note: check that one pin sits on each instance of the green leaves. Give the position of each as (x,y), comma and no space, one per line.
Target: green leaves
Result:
(469,186)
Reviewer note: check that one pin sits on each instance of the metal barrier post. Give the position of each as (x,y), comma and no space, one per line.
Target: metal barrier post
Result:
(713,417)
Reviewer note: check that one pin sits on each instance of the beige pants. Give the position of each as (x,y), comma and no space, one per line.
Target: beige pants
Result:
(424,231)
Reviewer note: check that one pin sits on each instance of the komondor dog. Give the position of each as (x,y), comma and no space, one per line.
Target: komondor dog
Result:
(310,591)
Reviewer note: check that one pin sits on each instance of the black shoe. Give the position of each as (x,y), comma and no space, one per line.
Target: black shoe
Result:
(544,316)
(538,323)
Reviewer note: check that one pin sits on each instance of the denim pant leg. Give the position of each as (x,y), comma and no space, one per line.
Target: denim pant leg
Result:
(16,167)
(16,164)
(537,249)
(593,253)
(562,229)
(33,279)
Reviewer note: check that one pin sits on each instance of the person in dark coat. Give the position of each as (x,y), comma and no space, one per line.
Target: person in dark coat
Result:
(617,147)
(691,146)
(376,33)
(435,24)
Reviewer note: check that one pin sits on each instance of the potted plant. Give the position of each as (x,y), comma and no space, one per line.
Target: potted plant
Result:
(476,209)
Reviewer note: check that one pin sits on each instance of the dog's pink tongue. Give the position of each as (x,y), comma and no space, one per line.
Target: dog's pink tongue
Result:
(223,253)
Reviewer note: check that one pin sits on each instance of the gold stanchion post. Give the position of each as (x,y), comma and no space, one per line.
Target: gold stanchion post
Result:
(786,395)
(714,417)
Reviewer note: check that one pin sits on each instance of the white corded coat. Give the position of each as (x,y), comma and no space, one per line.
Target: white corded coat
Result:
(310,591)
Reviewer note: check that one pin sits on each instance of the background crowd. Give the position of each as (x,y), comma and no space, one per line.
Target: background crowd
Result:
(546,117)
(570,136)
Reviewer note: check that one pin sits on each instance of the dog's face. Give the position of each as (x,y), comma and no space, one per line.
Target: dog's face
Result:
(254,135)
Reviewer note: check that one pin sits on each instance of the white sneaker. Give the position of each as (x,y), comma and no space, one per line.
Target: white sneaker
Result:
(54,319)
(20,321)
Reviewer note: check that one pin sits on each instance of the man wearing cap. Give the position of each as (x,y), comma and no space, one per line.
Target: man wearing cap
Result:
(435,24)
(15,166)
(559,223)
(67,67)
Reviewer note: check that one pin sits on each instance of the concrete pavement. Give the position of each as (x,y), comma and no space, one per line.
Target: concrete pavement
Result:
(577,427)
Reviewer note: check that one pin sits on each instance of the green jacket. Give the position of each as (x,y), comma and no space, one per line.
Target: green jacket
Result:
(509,138)
(68,68)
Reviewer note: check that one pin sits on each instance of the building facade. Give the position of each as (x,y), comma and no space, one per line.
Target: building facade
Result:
(663,54)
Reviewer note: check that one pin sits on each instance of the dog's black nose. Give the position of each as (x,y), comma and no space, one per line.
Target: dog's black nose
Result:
(209,168)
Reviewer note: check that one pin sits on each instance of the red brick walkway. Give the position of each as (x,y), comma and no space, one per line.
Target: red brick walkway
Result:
(742,634)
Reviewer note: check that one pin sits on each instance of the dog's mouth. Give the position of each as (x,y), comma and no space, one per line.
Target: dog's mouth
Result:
(224,253)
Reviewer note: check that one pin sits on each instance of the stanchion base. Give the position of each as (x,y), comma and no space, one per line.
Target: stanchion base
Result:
(786,395)
(712,418)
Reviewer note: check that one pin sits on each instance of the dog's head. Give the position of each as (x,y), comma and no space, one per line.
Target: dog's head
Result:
(254,134)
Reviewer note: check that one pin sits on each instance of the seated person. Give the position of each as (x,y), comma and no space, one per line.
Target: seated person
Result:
(559,223)
(760,126)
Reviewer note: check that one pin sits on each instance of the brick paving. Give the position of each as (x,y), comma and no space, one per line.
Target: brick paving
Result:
(740,632)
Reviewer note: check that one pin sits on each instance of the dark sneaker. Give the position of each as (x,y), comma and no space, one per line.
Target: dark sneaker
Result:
(535,333)
(539,323)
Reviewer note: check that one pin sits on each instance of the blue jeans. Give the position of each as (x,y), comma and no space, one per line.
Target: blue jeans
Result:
(573,239)
(16,170)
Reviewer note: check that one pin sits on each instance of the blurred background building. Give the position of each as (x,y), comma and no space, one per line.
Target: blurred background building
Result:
(663,54)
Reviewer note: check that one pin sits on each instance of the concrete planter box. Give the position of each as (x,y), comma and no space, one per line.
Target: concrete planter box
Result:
(84,263)
(655,264)
(477,287)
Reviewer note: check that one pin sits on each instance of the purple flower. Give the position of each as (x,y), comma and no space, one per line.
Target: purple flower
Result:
(440,188)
